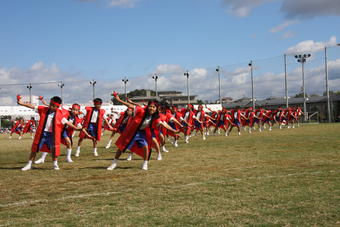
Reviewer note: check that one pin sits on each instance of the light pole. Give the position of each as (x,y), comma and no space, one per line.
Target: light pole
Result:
(188,92)
(302,59)
(125,80)
(155,77)
(61,85)
(286,84)
(252,84)
(327,87)
(30,91)
(93,83)
(219,84)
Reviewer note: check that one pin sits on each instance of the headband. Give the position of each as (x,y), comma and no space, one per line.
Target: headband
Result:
(97,103)
(55,103)
(75,105)
(153,102)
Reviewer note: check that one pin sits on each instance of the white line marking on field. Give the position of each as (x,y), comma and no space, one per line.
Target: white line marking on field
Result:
(89,195)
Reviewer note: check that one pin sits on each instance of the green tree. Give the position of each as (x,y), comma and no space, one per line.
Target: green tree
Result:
(332,93)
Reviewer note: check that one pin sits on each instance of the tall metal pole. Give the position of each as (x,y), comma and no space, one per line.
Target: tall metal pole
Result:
(286,84)
(188,92)
(219,84)
(302,59)
(327,89)
(93,83)
(252,83)
(304,89)
(30,92)
(125,80)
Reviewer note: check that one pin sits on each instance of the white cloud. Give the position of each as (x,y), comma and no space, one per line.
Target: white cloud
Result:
(203,82)
(310,46)
(123,3)
(282,26)
(242,8)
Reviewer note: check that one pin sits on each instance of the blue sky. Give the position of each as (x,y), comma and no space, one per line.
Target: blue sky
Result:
(109,39)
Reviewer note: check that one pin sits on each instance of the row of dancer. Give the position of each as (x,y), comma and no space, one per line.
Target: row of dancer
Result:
(22,127)
(56,126)
(141,128)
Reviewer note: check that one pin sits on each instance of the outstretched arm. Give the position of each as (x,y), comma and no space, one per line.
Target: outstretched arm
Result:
(21,103)
(129,105)
(108,124)
(177,122)
(133,103)
(165,125)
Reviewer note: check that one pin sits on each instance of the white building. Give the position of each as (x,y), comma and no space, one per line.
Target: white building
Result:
(27,113)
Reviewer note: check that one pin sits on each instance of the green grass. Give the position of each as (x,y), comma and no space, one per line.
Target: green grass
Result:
(288,177)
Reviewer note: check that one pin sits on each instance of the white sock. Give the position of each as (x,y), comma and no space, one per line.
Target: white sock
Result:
(55,163)
(95,151)
(29,162)
(43,155)
(69,152)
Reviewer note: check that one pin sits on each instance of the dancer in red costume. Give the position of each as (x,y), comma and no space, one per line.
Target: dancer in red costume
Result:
(30,127)
(93,122)
(200,120)
(187,121)
(17,128)
(72,116)
(137,135)
(48,134)
(120,124)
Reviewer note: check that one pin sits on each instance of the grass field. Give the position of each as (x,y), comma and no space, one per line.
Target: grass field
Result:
(288,177)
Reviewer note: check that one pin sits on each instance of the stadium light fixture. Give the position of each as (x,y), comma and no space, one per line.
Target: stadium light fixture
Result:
(302,58)
(93,83)
(155,77)
(125,80)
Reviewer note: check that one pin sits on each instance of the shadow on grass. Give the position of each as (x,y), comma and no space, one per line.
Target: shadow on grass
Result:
(11,168)
(105,167)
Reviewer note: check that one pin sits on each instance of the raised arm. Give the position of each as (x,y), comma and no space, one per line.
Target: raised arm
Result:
(21,103)
(133,103)
(129,105)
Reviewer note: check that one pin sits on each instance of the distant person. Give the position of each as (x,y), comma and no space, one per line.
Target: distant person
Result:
(30,127)
(17,128)
(93,121)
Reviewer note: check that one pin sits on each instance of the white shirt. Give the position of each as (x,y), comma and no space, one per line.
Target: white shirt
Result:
(186,116)
(49,123)
(146,122)
(94,117)
(198,116)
